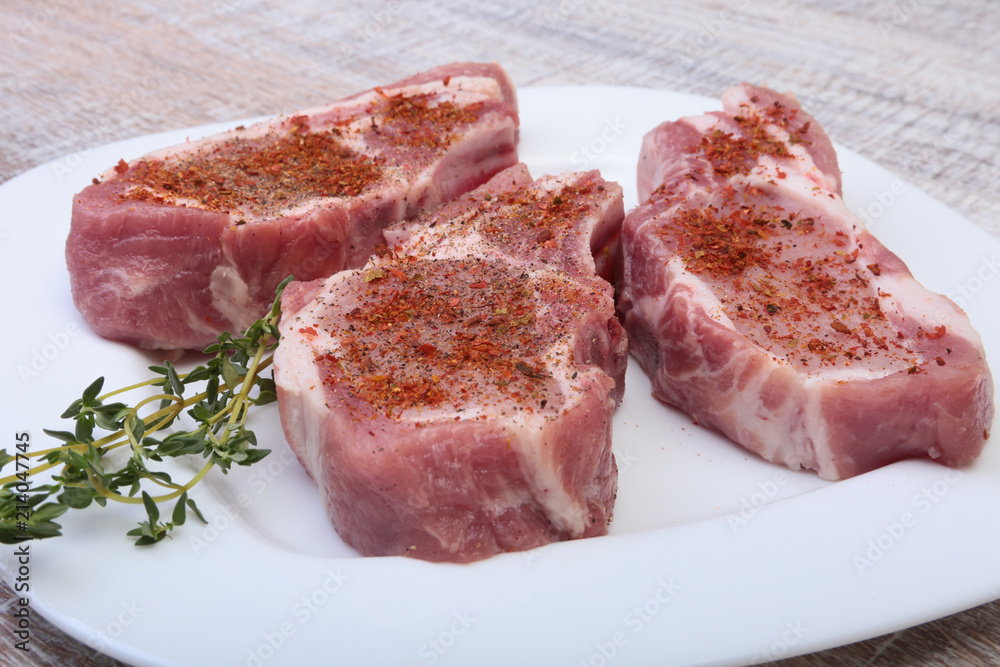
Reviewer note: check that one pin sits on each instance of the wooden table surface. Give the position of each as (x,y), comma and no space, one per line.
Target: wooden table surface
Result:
(911,84)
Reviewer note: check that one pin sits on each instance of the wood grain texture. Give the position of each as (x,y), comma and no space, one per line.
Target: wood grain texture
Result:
(913,85)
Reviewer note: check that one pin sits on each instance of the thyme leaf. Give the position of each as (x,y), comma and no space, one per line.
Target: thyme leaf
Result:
(217,396)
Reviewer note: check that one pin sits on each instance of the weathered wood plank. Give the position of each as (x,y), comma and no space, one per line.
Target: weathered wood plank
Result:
(913,85)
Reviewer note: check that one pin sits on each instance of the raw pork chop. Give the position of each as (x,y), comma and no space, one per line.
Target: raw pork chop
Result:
(453,398)
(757,303)
(190,241)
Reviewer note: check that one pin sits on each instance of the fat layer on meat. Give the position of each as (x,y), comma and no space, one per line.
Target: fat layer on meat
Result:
(759,304)
(172,249)
(453,398)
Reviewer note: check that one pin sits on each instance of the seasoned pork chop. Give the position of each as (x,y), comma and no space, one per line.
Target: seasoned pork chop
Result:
(760,305)
(452,399)
(173,248)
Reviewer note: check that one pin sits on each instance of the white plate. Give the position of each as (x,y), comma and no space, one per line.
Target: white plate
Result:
(714,556)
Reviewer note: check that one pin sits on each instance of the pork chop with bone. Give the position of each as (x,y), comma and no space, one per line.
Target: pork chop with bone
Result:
(453,398)
(173,248)
(760,305)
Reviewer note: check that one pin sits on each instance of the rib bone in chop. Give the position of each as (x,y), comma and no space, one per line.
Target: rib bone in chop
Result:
(175,247)
(757,303)
(453,398)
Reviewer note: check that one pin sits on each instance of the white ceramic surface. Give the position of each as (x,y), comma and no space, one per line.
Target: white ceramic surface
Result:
(714,557)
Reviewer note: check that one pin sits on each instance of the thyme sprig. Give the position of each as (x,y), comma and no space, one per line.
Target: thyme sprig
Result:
(217,396)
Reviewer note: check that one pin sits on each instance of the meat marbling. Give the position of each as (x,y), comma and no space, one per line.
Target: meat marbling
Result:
(757,303)
(453,398)
(190,241)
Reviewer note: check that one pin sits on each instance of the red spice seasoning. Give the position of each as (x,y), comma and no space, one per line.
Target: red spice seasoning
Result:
(260,176)
(730,153)
(421,121)
(541,223)
(448,333)
(788,282)
(293,162)
(720,243)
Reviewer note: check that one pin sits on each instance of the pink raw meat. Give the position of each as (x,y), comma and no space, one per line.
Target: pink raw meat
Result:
(453,398)
(757,303)
(190,241)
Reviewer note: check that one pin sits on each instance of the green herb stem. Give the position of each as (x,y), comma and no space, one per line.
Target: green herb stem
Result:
(85,477)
